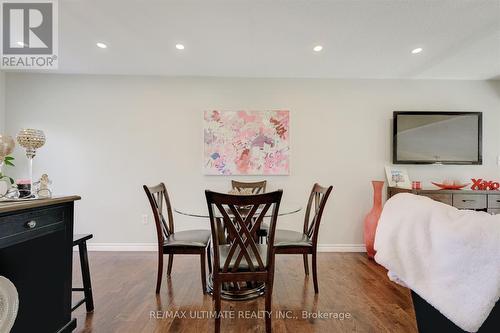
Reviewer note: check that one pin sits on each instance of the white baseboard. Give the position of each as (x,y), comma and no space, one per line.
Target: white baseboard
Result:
(123,247)
(341,248)
(144,247)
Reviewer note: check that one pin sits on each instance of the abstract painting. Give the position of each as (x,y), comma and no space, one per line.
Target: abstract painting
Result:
(246,142)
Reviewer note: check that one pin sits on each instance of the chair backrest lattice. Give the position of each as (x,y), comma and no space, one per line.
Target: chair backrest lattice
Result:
(161,207)
(255,187)
(239,217)
(314,212)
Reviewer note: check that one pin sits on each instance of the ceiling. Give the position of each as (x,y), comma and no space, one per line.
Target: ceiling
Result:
(273,38)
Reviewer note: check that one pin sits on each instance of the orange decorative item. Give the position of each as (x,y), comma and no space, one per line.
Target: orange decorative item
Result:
(371,220)
(448,186)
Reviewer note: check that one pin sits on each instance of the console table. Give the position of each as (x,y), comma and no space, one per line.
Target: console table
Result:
(36,249)
(488,201)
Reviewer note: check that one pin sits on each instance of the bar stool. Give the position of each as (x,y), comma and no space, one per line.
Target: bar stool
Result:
(81,241)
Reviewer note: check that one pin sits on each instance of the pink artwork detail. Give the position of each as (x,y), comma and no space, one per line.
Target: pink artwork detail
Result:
(246,142)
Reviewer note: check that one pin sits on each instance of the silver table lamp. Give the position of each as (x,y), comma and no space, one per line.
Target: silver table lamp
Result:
(31,140)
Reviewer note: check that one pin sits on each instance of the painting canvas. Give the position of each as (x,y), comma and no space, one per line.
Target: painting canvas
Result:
(247,142)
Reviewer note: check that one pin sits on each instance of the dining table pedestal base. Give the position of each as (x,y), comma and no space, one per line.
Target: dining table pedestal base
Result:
(241,291)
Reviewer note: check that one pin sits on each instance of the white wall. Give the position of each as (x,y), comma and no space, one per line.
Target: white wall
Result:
(2,101)
(108,135)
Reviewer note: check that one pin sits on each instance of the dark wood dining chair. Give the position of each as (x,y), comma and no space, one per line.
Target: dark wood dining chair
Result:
(306,242)
(170,242)
(237,257)
(257,187)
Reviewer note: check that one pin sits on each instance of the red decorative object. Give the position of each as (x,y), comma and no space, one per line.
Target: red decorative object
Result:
(371,219)
(484,185)
(450,186)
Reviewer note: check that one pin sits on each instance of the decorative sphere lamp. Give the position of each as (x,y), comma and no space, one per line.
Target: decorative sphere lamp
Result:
(31,140)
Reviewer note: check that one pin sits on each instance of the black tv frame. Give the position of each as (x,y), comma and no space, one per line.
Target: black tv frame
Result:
(446,113)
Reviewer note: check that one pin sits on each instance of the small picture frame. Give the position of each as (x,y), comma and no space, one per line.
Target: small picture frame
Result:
(397,177)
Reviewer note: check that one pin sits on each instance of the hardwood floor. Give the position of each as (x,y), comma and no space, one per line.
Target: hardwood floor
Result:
(349,285)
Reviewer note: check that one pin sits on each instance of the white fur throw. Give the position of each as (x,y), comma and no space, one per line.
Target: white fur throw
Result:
(450,257)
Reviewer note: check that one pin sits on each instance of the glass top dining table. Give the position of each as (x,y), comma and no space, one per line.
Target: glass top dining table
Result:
(285,209)
(237,291)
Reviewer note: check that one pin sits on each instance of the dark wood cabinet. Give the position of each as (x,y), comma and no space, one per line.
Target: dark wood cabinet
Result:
(488,201)
(36,245)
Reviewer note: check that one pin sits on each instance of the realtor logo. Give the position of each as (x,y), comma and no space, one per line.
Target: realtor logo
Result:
(29,34)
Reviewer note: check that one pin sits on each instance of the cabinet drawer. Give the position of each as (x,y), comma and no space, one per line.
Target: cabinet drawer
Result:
(441,197)
(494,211)
(493,201)
(32,223)
(469,201)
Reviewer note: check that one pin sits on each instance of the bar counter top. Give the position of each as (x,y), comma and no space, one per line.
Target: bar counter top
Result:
(10,206)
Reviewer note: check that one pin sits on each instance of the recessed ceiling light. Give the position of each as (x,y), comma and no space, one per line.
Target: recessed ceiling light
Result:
(318,48)
(179,46)
(417,50)
(101,45)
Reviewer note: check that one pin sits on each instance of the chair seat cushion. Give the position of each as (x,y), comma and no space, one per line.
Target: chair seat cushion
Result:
(195,238)
(291,238)
(243,265)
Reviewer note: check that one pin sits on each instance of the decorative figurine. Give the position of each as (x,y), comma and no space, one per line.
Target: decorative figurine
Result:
(43,187)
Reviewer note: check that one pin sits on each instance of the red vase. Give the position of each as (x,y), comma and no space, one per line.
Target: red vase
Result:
(371,219)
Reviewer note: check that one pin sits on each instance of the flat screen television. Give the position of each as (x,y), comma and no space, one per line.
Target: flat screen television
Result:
(437,137)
